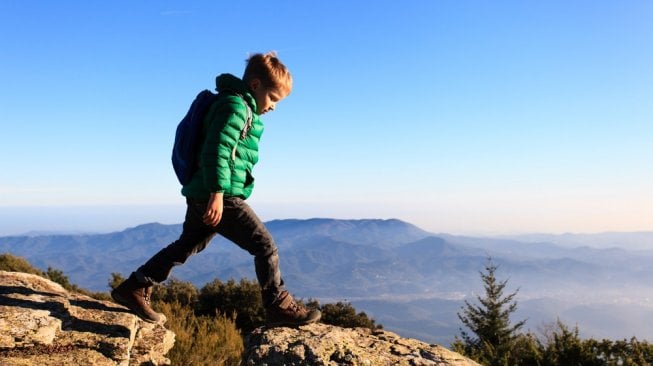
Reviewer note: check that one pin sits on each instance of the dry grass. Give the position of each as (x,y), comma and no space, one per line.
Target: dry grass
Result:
(204,340)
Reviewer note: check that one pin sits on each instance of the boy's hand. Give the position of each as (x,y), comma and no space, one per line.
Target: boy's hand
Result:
(213,212)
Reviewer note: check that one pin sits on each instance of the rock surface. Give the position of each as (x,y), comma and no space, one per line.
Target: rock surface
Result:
(43,324)
(320,344)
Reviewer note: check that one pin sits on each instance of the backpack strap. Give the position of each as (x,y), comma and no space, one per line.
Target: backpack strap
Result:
(248,123)
(246,128)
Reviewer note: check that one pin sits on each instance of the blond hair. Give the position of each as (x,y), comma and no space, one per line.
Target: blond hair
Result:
(269,70)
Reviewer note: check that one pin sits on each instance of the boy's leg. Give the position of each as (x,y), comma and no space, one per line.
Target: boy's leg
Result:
(241,225)
(194,238)
(135,292)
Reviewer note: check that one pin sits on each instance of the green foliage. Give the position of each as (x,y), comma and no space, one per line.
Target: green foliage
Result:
(563,346)
(241,298)
(184,293)
(628,353)
(58,277)
(493,336)
(344,315)
(12,263)
(203,340)
(526,351)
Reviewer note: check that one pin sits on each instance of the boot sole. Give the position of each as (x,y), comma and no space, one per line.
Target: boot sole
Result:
(308,321)
(120,300)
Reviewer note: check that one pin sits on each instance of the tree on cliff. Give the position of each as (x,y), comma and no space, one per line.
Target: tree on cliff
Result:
(493,335)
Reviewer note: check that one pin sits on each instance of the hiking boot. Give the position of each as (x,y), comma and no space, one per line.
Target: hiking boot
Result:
(136,297)
(285,311)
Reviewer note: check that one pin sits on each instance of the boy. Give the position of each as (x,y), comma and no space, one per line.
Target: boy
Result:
(216,195)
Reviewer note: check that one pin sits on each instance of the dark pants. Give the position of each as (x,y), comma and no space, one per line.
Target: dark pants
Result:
(239,224)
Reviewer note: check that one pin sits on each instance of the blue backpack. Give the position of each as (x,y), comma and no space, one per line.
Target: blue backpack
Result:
(188,137)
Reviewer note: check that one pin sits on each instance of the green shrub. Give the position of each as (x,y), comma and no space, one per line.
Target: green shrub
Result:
(241,298)
(174,290)
(12,263)
(343,314)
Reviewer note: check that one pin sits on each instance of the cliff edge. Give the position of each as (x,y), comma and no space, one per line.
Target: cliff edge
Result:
(43,324)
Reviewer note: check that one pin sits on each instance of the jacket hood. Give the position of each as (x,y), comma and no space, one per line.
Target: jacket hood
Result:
(231,83)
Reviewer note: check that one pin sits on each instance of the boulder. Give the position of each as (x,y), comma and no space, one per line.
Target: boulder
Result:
(43,324)
(321,344)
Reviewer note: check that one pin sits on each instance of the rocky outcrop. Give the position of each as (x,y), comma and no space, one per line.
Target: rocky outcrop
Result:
(43,324)
(320,344)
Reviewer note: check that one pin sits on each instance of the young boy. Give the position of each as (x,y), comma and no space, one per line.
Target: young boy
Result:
(216,195)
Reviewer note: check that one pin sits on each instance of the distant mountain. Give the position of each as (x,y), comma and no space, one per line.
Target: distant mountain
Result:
(410,280)
(378,233)
(632,241)
(89,259)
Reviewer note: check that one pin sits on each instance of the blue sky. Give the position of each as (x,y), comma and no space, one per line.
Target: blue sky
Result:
(467,117)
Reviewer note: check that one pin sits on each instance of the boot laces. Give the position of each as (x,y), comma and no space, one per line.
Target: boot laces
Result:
(147,296)
(295,307)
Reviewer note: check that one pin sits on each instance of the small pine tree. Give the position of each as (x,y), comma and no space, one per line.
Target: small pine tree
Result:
(493,334)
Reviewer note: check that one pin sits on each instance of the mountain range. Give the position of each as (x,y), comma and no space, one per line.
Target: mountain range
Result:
(411,281)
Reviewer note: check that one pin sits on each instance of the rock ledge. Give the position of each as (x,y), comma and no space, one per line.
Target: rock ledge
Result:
(43,324)
(320,344)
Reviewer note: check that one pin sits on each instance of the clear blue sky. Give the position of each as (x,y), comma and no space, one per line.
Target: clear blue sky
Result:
(458,116)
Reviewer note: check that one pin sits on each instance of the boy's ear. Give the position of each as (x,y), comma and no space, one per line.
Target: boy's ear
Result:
(255,83)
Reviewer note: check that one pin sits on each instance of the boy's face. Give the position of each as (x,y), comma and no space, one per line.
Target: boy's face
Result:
(266,99)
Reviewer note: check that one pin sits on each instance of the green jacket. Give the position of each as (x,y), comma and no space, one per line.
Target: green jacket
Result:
(221,168)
